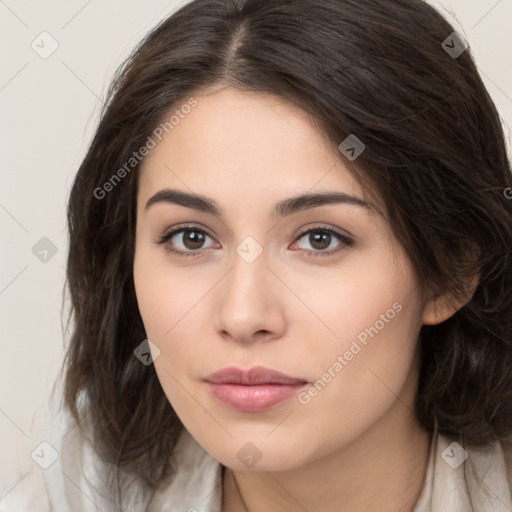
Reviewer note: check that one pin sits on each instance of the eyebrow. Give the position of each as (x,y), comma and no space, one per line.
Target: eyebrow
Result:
(283,208)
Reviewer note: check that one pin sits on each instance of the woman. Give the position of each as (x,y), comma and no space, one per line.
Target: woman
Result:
(290,270)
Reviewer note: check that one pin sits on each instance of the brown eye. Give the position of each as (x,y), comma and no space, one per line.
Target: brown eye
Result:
(185,241)
(320,239)
(192,239)
(323,238)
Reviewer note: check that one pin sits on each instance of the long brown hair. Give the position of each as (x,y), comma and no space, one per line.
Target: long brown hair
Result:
(435,155)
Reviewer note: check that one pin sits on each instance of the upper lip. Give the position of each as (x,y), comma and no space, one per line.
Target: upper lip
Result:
(252,377)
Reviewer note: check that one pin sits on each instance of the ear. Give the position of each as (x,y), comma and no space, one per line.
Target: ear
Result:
(439,308)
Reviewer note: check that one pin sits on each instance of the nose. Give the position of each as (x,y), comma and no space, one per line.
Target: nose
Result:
(250,302)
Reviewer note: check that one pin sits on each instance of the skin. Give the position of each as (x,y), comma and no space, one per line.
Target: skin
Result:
(356,445)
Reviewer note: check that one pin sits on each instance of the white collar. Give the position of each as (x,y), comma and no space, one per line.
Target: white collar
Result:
(196,485)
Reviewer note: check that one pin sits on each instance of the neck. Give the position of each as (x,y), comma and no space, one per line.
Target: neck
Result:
(382,470)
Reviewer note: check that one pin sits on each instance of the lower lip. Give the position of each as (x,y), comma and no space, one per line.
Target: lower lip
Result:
(253,398)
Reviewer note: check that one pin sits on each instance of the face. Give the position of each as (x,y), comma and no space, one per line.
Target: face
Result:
(323,293)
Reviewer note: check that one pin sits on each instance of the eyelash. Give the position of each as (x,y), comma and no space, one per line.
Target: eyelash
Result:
(323,229)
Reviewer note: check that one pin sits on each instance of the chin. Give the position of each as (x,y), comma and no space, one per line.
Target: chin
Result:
(255,453)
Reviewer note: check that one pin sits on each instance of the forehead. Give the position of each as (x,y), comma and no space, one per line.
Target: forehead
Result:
(245,143)
(244,123)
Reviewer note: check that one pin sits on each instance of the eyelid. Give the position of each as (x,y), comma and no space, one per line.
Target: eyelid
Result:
(320,227)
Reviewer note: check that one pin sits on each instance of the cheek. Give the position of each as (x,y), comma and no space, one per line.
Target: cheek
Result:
(171,302)
(150,286)
(164,299)
(374,314)
(163,292)
(371,290)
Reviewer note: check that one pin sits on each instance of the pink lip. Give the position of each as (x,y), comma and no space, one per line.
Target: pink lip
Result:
(256,389)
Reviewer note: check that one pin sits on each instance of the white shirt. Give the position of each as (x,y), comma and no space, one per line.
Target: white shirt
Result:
(77,480)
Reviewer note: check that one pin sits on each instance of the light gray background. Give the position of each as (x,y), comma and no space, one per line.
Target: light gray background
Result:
(49,110)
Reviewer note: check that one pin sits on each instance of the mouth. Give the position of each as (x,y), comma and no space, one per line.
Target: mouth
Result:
(253,390)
